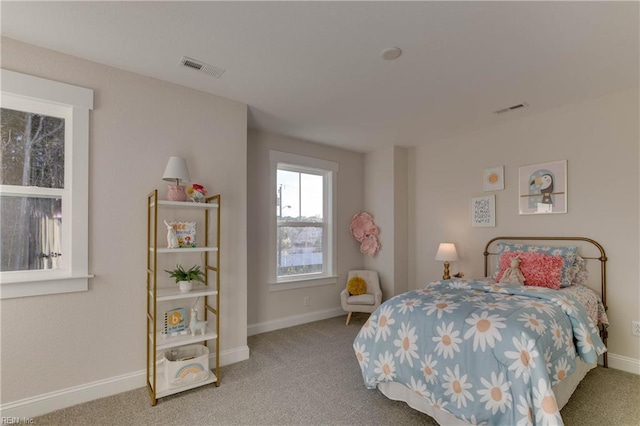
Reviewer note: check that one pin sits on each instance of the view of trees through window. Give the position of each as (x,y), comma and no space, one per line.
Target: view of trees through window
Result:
(300,236)
(32,158)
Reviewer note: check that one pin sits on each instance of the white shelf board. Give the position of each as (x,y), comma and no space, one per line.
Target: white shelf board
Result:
(186,204)
(174,293)
(184,250)
(163,388)
(163,343)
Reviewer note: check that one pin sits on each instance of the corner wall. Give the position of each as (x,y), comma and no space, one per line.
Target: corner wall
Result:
(387,200)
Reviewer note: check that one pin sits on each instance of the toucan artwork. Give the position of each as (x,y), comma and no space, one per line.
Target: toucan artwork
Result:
(544,184)
(546,187)
(543,188)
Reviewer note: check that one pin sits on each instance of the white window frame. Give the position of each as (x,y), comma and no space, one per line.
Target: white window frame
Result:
(302,164)
(25,92)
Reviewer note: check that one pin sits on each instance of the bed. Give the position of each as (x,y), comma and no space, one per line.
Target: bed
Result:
(478,351)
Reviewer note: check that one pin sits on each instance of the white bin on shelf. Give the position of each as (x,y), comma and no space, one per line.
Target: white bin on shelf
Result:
(186,364)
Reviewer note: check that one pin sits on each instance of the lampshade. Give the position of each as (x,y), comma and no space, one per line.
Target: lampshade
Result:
(176,170)
(447,252)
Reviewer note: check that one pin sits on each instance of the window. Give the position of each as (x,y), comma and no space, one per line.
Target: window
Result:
(43,184)
(303,221)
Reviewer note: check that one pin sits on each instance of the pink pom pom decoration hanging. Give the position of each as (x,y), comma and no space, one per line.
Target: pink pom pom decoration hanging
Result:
(365,231)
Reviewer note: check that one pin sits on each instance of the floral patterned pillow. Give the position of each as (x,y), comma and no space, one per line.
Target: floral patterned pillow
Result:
(539,269)
(568,253)
(579,273)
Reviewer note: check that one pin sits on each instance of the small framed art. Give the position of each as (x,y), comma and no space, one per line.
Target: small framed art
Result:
(494,178)
(186,234)
(483,211)
(543,188)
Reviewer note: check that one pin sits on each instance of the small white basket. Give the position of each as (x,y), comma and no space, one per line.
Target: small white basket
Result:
(186,365)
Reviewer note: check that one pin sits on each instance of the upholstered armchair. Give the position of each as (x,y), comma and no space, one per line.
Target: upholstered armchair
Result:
(367,302)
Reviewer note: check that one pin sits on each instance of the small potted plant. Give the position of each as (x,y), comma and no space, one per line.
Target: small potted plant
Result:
(184,277)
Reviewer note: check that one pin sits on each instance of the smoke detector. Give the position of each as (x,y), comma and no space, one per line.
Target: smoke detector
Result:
(200,66)
(391,53)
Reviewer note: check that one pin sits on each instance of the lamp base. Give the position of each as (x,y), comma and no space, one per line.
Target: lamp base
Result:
(176,193)
(446,275)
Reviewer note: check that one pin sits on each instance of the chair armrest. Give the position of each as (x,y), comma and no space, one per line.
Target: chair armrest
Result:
(344,294)
(378,296)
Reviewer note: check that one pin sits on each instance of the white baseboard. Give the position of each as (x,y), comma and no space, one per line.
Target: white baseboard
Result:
(63,398)
(29,408)
(624,363)
(263,327)
(231,356)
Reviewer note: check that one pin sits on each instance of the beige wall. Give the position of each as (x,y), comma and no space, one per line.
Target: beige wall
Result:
(274,309)
(400,220)
(56,342)
(600,140)
(386,199)
(378,201)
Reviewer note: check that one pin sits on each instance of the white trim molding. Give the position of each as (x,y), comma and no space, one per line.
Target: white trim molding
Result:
(624,363)
(286,322)
(314,282)
(32,87)
(63,398)
(38,405)
(71,103)
(328,170)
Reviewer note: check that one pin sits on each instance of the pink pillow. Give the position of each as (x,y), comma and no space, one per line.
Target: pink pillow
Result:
(539,269)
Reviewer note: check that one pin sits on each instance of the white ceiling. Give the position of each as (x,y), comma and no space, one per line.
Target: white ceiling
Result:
(313,70)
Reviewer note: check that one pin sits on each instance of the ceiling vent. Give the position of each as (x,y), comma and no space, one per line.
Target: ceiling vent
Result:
(511,108)
(200,66)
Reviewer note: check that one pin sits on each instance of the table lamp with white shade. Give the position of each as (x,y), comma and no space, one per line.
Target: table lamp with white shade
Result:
(178,172)
(447,253)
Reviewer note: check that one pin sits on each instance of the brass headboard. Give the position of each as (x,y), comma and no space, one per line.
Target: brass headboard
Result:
(602,259)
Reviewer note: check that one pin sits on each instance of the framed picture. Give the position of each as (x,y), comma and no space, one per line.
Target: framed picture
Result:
(543,188)
(186,234)
(483,211)
(494,178)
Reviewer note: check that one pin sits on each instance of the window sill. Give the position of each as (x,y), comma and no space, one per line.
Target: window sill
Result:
(302,283)
(12,290)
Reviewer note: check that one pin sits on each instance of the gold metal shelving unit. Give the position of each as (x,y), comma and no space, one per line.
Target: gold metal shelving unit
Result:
(210,292)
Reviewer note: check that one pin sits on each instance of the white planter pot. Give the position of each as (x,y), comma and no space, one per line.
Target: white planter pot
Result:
(185,286)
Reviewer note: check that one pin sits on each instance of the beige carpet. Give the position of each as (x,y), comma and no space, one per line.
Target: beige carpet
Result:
(308,375)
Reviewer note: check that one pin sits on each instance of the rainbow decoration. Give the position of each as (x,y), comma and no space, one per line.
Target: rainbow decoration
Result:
(190,373)
(189,369)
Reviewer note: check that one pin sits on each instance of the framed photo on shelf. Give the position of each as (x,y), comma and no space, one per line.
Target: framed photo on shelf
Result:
(186,233)
(543,188)
(494,178)
(483,211)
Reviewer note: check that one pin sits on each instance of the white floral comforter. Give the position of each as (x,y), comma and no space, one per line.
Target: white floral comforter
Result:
(485,352)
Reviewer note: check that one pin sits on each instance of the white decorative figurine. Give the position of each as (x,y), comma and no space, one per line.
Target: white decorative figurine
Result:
(195,325)
(513,275)
(172,238)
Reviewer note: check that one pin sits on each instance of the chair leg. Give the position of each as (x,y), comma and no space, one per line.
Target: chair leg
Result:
(349,317)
